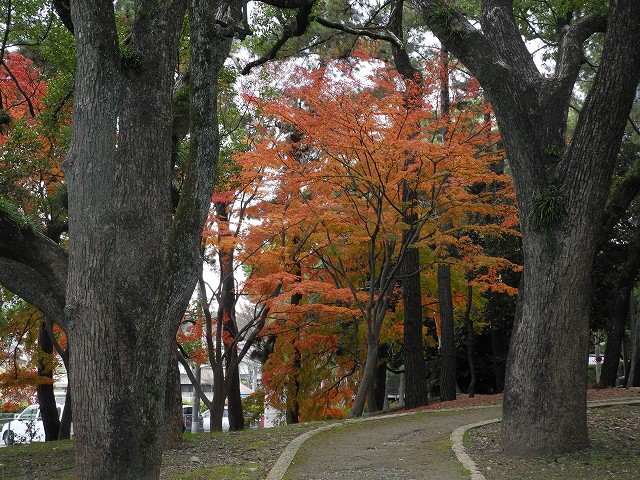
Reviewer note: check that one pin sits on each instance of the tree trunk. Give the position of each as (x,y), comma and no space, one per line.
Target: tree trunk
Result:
(551,313)
(471,340)
(544,407)
(414,363)
(499,351)
(380,385)
(44,391)
(368,375)
(618,312)
(173,420)
(293,387)
(236,416)
(447,335)
(195,407)
(133,261)
(634,368)
(67,418)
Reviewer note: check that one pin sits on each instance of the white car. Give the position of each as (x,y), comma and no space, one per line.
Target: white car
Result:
(26,427)
(206,421)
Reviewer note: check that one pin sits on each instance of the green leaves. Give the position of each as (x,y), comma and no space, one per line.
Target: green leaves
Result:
(547,209)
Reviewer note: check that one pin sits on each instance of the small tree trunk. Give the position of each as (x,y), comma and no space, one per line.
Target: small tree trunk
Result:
(618,310)
(293,387)
(195,416)
(447,335)
(634,368)
(234,400)
(45,393)
(499,350)
(471,340)
(173,420)
(67,418)
(380,385)
(615,334)
(368,376)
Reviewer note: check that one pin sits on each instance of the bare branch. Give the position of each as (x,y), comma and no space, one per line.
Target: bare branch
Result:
(376,34)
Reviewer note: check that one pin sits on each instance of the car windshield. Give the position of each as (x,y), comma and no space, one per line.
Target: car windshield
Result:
(30,412)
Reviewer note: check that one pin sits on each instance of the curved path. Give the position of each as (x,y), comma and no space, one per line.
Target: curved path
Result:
(410,446)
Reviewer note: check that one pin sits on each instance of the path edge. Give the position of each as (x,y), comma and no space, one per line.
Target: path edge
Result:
(286,457)
(458,448)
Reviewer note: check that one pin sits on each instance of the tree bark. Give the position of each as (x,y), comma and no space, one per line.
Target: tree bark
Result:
(133,261)
(447,335)
(236,416)
(544,408)
(173,420)
(380,385)
(499,351)
(634,368)
(44,391)
(414,363)
(471,341)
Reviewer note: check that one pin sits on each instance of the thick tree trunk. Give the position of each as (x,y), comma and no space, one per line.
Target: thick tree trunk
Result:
(447,335)
(45,393)
(133,261)
(545,394)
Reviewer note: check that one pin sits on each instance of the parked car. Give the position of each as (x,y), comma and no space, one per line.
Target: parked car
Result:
(206,421)
(26,427)
(187,417)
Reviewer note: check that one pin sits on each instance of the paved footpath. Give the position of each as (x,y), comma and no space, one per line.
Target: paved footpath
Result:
(412,446)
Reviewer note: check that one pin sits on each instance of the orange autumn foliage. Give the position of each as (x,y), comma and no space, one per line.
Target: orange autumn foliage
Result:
(336,153)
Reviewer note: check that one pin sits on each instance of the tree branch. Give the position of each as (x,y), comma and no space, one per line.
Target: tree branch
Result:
(362,32)
(33,267)
(295,29)
(465,41)
(570,55)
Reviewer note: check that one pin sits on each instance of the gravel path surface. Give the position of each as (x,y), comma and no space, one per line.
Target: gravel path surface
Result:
(412,446)
(406,446)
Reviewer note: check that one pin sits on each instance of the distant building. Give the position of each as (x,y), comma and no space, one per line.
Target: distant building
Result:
(250,380)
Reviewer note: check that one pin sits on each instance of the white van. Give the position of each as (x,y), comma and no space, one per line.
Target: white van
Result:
(26,427)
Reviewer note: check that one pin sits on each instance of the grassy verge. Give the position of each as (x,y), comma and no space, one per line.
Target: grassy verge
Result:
(247,455)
